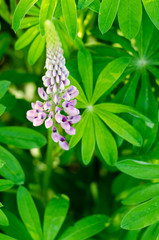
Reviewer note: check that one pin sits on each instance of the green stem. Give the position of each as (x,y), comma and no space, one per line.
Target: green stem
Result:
(49,160)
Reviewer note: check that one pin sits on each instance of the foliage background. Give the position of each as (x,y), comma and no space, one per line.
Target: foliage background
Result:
(111,171)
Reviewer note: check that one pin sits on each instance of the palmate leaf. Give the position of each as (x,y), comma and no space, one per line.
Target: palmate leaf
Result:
(120,126)
(149,108)
(105,141)
(11,168)
(88,140)
(70,16)
(129,16)
(84,3)
(29,22)
(85,228)
(152,230)
(22,137)
(107,13)
(21,9)
(141,216)
(144,36)
(28,213)
(3,219)
(15,228)
(119,108)
(86,71)
(81,97)
(5,184)
(36,49)
(80,127)
(27,37)
(94,6)
(152,8)
(139,169)
(54,217)
(46,12)
(109,76)
(141,194)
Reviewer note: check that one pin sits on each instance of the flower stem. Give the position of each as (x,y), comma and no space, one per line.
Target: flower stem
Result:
(49,160)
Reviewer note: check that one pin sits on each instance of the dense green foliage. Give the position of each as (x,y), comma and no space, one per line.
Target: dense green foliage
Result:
(106,186)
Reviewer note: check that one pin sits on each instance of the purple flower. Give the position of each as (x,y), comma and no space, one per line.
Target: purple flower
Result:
(59,104)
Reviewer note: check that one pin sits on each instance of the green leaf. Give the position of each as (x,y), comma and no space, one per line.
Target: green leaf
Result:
(152,8)
(4,85)
(4,12)
(109,76)
(29,22)
(46,12)
(120,126)
(152,230)
(149,108)
(80,127)
(15,228)
(70,16)
(85,228)
(81,97)
(107,13)
(130,16)
(142,216)
(55,214)
(21,9)
(36,49)
(22,137)
(86,71)
(34,11)
(5,184)
(94,6)
(105,142)
(88,140)
(3,219)
(11,169)
(139,169)
(141,194)
(5,237)
(2,109)
(27,37)
(84,3)
(28,213)
(144,36)
(119,108)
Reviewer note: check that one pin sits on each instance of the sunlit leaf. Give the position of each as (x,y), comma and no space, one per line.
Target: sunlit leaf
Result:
(28,213)
(46,12)
(86,71)
(88,140)
(85,228)
(129,16)
(109,76)
(139,169)
(152,8)
(141,216)
(36,49)
(105,142)
(21,9)
(55,214)
(107,13)
(70,16)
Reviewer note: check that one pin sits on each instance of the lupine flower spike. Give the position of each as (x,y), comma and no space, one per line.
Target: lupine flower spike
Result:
(58,107)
